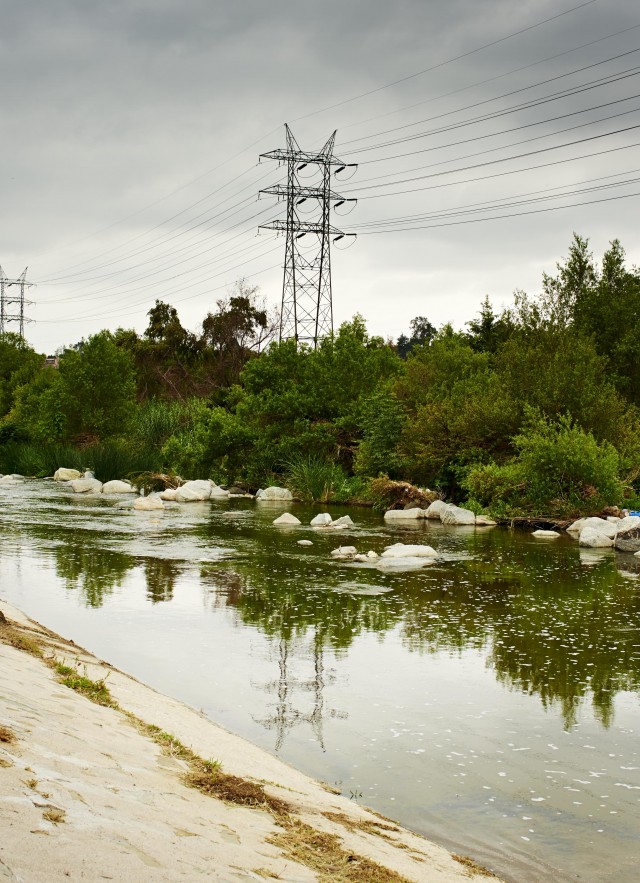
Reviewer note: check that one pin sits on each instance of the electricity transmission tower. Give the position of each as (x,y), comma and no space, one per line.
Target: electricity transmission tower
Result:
(307,309)
(12,304)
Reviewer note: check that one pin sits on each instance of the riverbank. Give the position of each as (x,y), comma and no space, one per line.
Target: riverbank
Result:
(111,791)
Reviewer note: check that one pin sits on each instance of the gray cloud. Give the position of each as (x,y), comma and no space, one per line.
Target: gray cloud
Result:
(109,108)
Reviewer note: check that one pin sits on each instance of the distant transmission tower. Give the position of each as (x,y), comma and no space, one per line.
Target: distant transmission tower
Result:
(12,304)
(307,309)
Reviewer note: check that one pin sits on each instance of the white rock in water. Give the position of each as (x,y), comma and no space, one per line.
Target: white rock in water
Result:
(485,521)
(344,552)
(218,493)
(147,504)
(86,486)
(403,514)
(169,494)
(63,474)
(455,515)
(274,493)
(601,525)
(436,509)
(628,522)
(577,526)
(286,518)
(400,550)
(594,538)
(372,555)
(636,554)
(118,487)
(545,534)
(360,558)
(193,491)
(345,521)
(305,543)
(323,519)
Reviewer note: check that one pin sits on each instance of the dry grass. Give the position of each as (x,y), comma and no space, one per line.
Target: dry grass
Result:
(324,854)
(366,826)
(54,815)
(7,735)
(9,634)
(472,866)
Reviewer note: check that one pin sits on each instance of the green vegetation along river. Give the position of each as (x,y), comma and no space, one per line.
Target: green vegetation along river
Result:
(489,700)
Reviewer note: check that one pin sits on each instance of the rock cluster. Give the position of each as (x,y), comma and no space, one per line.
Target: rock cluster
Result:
(601,533)
(447,513)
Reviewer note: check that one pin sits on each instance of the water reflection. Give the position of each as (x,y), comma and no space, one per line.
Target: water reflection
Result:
(160,575)
(91,571)
(546,631)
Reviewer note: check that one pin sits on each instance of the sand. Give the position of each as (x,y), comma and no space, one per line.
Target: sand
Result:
(86,795)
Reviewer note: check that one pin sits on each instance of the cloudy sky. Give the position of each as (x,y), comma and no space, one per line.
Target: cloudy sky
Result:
(484,134)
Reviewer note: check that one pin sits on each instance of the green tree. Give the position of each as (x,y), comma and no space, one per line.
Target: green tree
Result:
(97,388)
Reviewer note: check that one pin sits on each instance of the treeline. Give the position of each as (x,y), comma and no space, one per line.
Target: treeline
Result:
(533,409)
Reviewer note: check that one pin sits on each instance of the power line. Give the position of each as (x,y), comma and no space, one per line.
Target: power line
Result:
(444,63)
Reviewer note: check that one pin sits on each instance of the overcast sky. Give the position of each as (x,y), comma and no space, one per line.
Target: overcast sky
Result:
(132,130)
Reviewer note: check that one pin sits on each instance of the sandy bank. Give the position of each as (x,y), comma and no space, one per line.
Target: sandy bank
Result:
(85,793)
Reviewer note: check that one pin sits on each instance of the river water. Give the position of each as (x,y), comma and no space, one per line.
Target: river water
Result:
(489,701)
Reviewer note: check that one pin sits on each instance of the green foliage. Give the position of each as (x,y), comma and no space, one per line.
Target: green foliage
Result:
(560,469)
(381,422)
(314,479)
(18,365)
(97,388)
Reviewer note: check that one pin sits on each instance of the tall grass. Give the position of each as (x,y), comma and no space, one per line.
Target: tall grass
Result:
(156,421)
(107,460)
(322,481)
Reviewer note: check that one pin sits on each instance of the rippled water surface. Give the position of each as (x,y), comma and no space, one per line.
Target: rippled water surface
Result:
(489,700)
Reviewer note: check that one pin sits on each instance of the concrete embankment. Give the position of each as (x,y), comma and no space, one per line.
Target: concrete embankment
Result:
(146,788)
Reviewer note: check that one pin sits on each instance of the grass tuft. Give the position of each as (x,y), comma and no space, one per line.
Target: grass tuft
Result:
(324,854)
(7,736)
(472,866)
(96,691)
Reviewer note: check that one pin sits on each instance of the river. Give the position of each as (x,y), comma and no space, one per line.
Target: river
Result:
(489,701)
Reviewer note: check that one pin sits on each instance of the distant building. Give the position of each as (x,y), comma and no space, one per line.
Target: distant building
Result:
(51,361)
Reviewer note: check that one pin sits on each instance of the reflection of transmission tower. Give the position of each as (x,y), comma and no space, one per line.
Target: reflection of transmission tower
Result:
(307,309)
(12,305)
(286,716)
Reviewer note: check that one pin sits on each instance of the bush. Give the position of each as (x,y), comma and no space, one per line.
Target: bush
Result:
(559,467)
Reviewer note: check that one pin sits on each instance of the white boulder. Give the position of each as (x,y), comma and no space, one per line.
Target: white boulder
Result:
(344,552)
(636,554)
(400,550)
(193,491)
(436,509)
(456,515)
(323,519)
(628,522)
(8,479)
(404,514)
(86,486)
(546,534)
(118,487)
(577,526)
(274,493)
(485,521)
(305,543)
(218,493)
(593,538)
(344,521)
(287,519)
(601,525)
(63,474)
(169,494)
(373,556)
(148,504)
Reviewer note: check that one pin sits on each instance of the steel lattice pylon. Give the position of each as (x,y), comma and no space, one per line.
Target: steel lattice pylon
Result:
(307,308)
(9,301)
